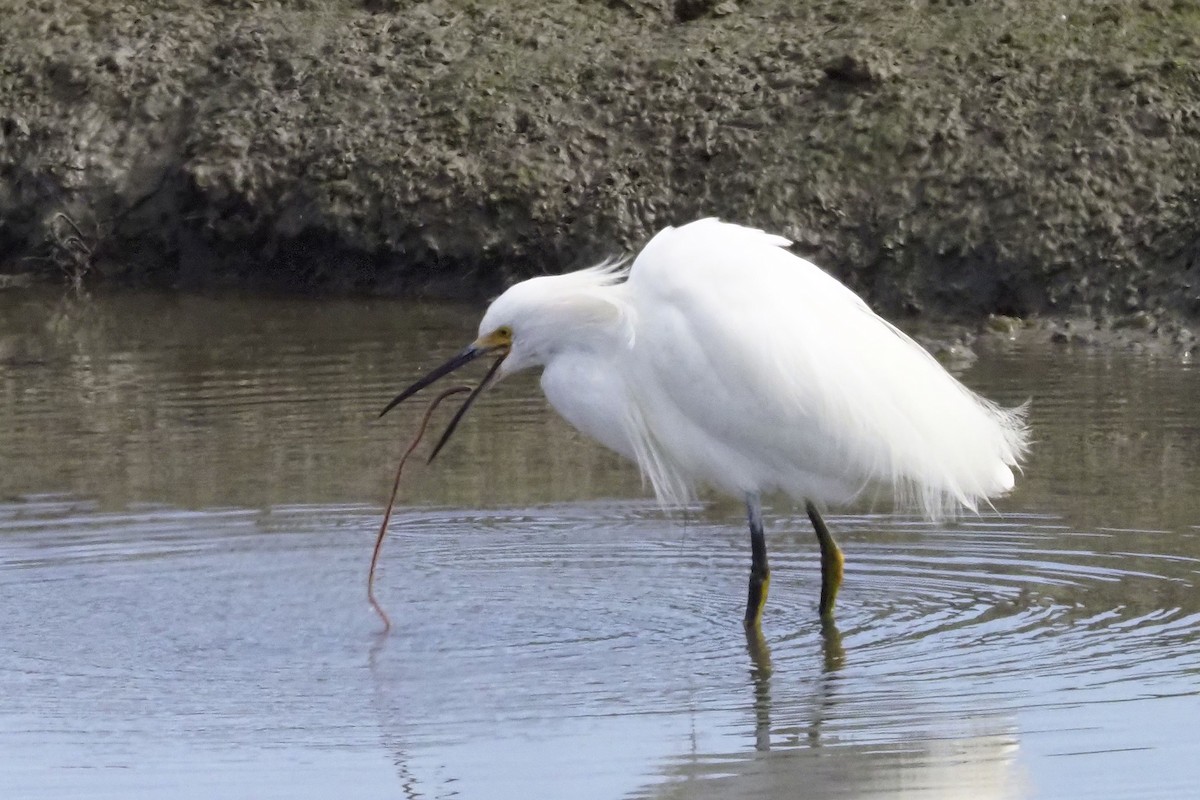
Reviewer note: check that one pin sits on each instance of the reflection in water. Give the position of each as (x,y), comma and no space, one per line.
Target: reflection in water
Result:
(140,397)
(760,678)
(191,488)
(978,764)
(833,656)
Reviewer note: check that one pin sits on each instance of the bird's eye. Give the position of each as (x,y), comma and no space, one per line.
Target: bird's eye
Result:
(504,332)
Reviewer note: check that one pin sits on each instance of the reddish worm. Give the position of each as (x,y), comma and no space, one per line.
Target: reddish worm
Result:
(387,515)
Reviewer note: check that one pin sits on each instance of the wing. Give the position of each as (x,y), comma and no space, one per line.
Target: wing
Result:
(755,371)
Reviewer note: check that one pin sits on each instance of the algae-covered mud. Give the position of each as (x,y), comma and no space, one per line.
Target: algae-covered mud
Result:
(1023,158)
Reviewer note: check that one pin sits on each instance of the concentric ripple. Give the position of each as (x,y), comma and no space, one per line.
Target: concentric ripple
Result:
(189,493)
(596,619)
(946,638)
(972,612)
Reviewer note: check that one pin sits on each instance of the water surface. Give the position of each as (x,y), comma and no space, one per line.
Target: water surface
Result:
(190,489)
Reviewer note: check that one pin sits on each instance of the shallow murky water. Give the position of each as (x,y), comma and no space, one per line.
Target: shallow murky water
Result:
(189,492)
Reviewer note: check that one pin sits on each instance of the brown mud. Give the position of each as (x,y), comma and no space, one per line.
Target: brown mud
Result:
(953,159)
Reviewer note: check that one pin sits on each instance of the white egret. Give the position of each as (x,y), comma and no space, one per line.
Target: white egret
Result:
(719,358)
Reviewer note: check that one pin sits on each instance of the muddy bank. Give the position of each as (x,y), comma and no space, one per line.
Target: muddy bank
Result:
(953,158)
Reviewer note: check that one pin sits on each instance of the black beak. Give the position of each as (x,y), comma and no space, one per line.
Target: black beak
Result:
(466,356)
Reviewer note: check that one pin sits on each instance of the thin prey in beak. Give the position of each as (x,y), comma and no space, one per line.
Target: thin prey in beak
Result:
(464,357)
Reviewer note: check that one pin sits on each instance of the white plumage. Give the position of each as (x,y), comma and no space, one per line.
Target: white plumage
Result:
(720,358)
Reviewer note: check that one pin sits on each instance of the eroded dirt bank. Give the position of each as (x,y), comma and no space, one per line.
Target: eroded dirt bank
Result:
(955,158)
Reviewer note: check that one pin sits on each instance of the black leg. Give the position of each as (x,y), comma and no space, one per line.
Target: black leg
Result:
(760,574)
(832,562)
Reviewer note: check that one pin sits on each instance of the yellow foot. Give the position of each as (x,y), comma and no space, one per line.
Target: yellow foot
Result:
(832,562)
(832,567)
(757,600)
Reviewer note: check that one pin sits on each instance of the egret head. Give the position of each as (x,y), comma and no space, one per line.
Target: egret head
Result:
(497,342)
(527,324)
(533,319)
